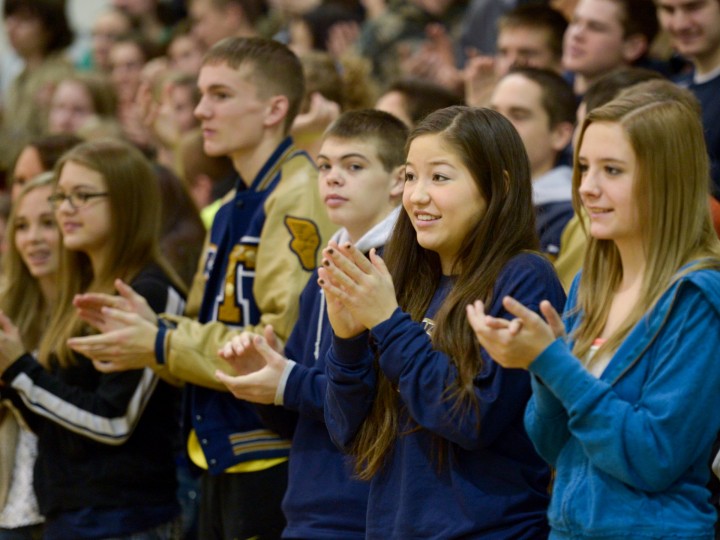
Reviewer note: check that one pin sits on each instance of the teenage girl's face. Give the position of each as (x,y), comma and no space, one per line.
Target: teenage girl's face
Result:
(37,238)
(87,228)
(607,164)
(441,197)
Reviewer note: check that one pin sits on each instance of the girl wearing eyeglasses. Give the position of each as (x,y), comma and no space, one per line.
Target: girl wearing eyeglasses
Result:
(105,465)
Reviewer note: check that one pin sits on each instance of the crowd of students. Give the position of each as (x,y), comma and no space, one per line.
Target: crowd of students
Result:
(480,299)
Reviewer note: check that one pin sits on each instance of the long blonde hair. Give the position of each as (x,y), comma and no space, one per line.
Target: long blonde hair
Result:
(134,199)
(21,297)
(671,189)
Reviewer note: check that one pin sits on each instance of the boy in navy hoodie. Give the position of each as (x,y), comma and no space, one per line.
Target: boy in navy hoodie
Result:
(361,165)
(540,105)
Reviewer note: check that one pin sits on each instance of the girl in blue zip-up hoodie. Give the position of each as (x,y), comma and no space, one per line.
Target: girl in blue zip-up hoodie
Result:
(624,407)
(434,423)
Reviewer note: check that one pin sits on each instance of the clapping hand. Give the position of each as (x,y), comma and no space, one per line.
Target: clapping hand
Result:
(362,286)
(515,343)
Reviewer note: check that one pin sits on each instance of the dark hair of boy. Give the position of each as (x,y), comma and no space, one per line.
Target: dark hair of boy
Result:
(275,70)
(558,98)
(423,97)
(640,17)
(52,14)
(385,131)
(324,17)
(540,17)
(148,49)
(254,10)
(609,86)
(51,147)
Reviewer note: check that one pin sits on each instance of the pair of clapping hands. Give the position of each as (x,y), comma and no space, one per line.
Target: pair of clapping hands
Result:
(359,293)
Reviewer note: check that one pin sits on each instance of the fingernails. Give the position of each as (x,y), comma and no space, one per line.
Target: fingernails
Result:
(348,245)
(321,281)
(330,251)
(326,262)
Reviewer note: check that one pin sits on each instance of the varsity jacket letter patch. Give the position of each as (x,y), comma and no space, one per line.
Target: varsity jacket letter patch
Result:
(305,240)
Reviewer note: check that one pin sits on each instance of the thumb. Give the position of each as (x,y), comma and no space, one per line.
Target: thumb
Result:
(262,346)
(271,356)
(226,379)
(521,312)
(553,318)
(378,261)
(126,291)
(271,338)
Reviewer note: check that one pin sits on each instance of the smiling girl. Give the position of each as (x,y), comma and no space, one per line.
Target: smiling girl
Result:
(621,406)
(27,297)
(434,423)
(105,465)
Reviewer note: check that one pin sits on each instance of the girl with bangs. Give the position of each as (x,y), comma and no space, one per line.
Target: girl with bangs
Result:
(622,404)
(434,423)
(105,466)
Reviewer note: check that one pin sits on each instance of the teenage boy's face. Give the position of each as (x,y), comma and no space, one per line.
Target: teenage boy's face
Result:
(354,185)
(693,26)
(519,99)
(231,113)
(594,40)
(524,46)
(210,23)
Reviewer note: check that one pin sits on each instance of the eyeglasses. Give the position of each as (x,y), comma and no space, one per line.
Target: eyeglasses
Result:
(77,199)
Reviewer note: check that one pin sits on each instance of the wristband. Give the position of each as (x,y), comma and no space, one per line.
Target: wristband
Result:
(160,339)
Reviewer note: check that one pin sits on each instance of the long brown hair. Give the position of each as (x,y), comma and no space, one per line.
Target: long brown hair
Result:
(493,152)
(133,195)
(671,187)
